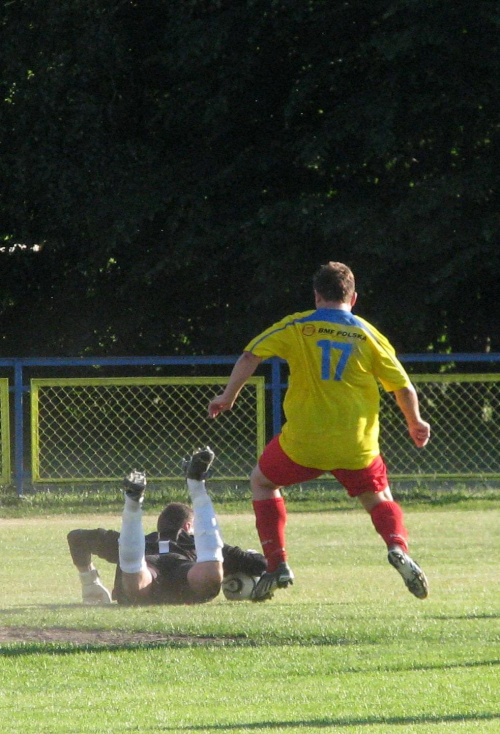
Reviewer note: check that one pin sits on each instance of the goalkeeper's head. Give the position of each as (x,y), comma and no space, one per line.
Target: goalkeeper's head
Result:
(175,517)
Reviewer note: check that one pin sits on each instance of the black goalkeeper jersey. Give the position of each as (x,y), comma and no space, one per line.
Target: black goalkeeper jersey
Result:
(169,561)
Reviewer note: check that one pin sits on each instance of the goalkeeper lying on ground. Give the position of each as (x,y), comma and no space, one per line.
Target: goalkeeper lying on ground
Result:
(183,563)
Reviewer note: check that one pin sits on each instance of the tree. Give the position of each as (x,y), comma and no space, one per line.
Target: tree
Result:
(186,167)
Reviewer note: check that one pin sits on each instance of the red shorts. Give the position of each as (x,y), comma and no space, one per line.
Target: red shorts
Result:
(282,471)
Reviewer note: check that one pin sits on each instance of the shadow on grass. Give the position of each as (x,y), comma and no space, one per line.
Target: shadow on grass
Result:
(20,649)
(461,617)
(70,640)
(315,724)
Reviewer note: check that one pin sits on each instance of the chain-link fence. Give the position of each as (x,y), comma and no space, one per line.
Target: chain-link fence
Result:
(4,431)
(98,429)
(464,413)
(87,428)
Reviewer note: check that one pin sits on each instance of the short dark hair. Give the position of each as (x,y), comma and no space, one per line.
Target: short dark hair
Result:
(172,518)
(334,282)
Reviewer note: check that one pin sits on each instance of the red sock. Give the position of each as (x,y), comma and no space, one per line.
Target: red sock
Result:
(389,523)
(270,520)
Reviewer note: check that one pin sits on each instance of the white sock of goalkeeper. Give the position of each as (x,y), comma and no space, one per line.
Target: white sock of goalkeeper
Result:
(207,537)
(131,544)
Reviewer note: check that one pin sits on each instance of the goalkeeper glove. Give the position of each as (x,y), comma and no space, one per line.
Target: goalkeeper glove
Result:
(93,591)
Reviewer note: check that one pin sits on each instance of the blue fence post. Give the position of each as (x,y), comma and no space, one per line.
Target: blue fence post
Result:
(18,427)
(276,394)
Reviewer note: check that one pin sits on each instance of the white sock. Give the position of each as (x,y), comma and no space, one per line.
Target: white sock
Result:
(131,544)
(207,537)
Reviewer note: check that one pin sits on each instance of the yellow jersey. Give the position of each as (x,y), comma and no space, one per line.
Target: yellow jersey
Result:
(332,402)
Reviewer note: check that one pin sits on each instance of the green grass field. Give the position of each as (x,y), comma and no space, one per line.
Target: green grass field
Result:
(347,649)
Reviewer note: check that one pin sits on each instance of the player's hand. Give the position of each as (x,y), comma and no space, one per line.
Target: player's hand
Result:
(267,597)
(219,405)
(420,433)
(93,591)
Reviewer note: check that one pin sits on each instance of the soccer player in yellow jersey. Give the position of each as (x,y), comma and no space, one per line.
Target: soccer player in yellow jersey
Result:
(336,361)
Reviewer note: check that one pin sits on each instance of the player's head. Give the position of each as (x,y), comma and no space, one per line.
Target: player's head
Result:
(172,519)
(334,282)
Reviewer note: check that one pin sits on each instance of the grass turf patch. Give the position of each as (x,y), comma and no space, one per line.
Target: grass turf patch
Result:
(346,649)
(317,496)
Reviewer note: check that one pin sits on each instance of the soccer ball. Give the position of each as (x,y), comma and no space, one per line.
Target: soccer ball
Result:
(238,586)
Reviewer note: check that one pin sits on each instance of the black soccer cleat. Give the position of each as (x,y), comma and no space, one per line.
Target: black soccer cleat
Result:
(135,485)
(272,580)
(413,576)
(198,465)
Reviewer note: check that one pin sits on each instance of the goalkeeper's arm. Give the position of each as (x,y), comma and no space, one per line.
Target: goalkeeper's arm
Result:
(237,560)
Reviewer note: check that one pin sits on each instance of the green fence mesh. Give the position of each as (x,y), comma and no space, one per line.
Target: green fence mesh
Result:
(464,413)
(98,429)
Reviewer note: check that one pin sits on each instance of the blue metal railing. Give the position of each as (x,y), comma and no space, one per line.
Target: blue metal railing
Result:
(275,384)
(19,388)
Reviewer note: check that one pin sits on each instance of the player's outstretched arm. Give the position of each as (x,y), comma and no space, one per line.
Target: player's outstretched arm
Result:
(418,429)
(244,368)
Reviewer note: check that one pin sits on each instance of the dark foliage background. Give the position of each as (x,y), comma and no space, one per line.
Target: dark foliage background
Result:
(183,168)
